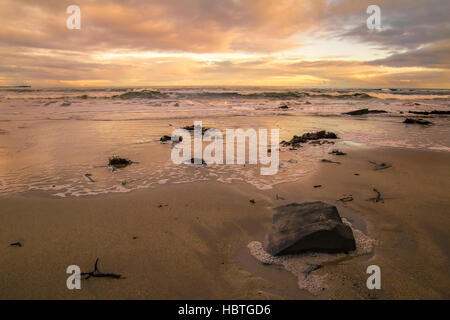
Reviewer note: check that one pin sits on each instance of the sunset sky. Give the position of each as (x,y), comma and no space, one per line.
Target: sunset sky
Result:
(316,43)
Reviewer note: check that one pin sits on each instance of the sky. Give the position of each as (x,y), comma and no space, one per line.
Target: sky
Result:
(304,43)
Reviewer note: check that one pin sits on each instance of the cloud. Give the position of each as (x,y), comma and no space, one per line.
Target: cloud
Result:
(234,42)
(61,69)
(183,25)
(406,24)
(435,55)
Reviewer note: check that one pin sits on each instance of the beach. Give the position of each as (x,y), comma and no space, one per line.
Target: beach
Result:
(183,231)
(195,248)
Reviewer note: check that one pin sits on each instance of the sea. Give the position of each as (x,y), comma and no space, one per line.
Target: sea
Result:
(58,141)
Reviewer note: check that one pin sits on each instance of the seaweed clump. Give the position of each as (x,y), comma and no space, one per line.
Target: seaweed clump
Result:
(191,128)
(296,140)
(117,162)
(166,138)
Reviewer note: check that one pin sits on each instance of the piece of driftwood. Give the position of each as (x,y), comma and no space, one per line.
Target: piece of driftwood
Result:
(311,268)
(380,166)
(330,161)
(337,152)
(89,177)
(97,274)
(378,198)
(346,199)
(279,198)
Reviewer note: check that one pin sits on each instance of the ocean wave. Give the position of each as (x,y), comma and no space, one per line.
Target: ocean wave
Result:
(356,95)
(156,94)
(424,92)
(29,89)
(281,95)
(144,94)
(225,93)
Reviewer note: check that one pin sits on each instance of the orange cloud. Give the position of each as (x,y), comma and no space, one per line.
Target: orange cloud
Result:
(229,42)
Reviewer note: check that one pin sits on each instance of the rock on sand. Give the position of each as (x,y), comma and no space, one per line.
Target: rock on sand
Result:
(311,226)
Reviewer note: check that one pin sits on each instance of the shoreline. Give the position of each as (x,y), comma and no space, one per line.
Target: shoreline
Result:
(196,246)
(344,145)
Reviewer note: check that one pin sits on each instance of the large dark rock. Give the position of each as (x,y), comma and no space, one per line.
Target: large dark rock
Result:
(439,112)
(363,111)
(319,135)
(311,226)
(417,121)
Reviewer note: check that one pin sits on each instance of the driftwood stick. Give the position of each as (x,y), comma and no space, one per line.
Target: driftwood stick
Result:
(380,166)
(279,198)
(89,177)
(97,274)
(378,198)
(346,199)
(330,161)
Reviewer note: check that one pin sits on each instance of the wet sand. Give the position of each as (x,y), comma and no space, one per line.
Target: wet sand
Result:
(196,246)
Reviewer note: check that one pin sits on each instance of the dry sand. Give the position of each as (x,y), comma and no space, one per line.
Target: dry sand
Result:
(196,246)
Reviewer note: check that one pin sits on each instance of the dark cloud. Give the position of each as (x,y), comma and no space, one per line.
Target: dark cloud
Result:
(406,24)
(436,55)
